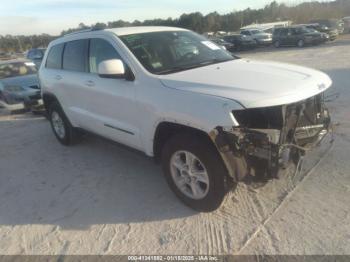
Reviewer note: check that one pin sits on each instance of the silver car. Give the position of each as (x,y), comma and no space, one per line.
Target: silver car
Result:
(260,37)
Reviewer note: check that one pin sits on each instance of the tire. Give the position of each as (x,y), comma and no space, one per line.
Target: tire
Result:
(277,44)
(66,134)
(209,160)
(301,43)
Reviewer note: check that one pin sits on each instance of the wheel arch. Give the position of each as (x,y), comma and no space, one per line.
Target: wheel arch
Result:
(165,130)
(48,99)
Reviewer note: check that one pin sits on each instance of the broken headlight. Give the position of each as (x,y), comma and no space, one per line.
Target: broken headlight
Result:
(260,118)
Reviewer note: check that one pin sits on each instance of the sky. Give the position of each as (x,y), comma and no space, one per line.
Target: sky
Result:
(52,16)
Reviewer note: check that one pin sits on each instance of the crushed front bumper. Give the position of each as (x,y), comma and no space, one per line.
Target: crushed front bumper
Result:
(263,152)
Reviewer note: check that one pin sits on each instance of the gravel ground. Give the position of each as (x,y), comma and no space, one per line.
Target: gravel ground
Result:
(102,198)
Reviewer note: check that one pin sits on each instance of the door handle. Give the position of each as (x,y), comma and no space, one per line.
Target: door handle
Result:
(90,83)
(58,77)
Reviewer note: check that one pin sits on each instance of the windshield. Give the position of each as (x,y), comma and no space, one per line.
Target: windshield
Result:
(17,69)
(169,52)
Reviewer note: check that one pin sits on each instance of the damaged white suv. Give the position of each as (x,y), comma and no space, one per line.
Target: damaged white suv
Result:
(210,118)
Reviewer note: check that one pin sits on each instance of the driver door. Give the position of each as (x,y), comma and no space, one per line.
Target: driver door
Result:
(111,110)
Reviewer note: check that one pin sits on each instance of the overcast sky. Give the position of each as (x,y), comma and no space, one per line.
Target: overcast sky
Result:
(53,16)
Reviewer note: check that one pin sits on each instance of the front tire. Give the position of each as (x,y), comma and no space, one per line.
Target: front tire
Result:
(65,133)
(195,172)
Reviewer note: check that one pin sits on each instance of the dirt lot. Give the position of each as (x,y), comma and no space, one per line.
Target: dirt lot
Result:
(102,198)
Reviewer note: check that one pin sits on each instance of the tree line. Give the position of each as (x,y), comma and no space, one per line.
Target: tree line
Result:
(196,21)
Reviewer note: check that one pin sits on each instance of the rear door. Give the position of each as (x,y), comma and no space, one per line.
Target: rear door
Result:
(75,76)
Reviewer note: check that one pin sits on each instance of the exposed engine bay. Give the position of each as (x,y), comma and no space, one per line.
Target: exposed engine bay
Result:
(268,139)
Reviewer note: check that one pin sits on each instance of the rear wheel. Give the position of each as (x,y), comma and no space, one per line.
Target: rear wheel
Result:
(195,172)
(62,128)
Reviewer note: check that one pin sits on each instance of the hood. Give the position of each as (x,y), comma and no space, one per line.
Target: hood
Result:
(251,83)
(27,81)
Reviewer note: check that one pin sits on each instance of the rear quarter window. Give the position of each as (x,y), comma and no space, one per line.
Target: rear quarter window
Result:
(54,58)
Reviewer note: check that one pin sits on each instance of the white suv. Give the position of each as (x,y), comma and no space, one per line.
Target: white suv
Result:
(210,118)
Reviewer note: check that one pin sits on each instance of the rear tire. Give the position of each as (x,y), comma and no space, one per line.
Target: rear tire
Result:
(206,192)
(65,133)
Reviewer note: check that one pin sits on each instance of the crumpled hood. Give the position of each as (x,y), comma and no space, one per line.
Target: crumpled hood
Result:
(251,83)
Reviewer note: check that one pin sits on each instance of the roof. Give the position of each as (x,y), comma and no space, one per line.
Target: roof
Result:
(267,25)
(142,29)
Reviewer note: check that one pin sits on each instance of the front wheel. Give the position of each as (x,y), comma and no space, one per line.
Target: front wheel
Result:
(195,172)
(61,127)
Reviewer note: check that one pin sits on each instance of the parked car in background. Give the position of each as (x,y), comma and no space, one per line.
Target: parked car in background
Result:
(260,37)
(332,32)
(241,42)
(332,24)
(19,85)
(223,44)
(5,56)
(296,36)
(36,55)
(210,118)
(346,21)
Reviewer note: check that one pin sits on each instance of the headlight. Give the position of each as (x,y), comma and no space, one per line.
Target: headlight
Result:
(13,88)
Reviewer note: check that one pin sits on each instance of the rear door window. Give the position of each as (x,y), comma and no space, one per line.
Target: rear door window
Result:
(75,56)
(54,59)
(100,50)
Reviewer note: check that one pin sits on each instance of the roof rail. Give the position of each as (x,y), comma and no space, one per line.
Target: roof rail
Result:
(84,31)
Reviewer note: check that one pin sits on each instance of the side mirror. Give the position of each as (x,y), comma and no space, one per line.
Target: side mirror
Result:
(113,68)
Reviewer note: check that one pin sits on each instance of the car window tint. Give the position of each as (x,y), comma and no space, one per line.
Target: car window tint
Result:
(100,50)
(75,55)
(54,59)
(284,32)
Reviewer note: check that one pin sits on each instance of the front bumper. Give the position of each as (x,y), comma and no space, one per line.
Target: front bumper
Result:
(263,152)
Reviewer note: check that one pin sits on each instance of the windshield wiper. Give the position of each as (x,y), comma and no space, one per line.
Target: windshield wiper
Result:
(183,68)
